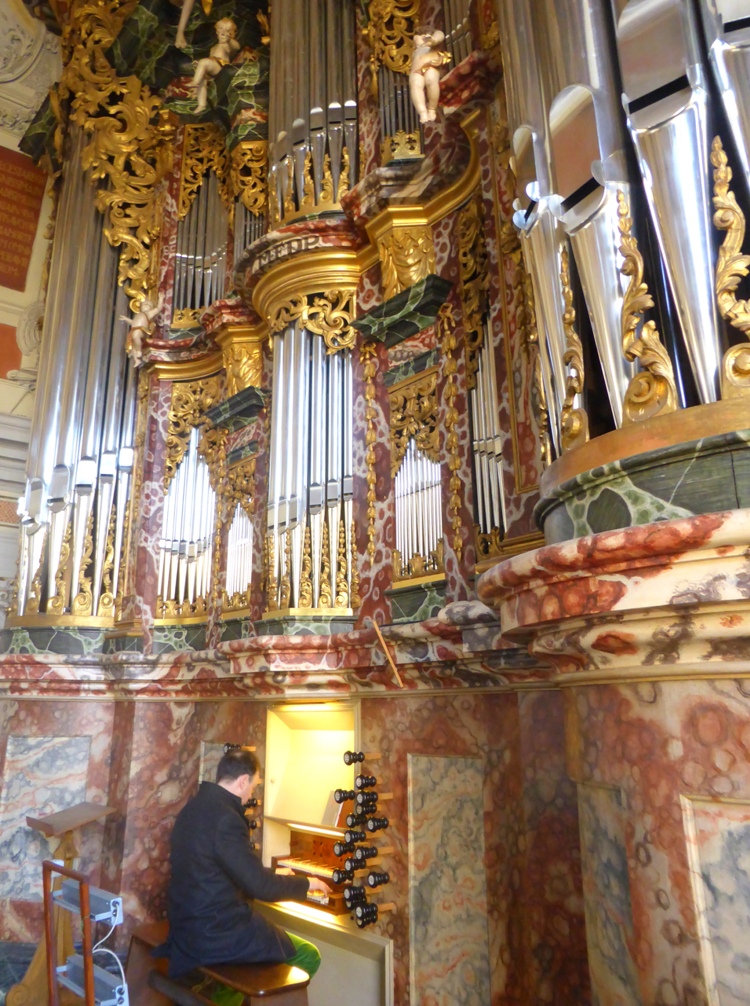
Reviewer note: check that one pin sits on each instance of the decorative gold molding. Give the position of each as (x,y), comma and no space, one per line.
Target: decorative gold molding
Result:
(731,267)
(173,612)
(248,172)
(402,146)
(185,370)
(272,587)
(419,569)
(474,281)
(354,590)
(342,583)
(368,355)
(651,392)
(504,548)
(306,204)
(406,256)
(414,413)
(325,595)
(130,141)
(187,317)
(389,33)
(84,600)
(106,598)
(56,604)
(315,613)
(242,349)
(35,591)
(574,426)
(305,577)
(187,407)
(328,314)
(446,332)
(204,150)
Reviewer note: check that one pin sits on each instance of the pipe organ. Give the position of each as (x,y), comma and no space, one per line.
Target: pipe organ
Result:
(487,448)
(239,559)
(309,517)
(419,530)
(186,542)
(312,125)
(201,258)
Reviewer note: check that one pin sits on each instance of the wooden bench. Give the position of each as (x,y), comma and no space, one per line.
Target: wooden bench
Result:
(149,984)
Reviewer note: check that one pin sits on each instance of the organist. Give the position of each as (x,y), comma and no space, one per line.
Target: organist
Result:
(215,872)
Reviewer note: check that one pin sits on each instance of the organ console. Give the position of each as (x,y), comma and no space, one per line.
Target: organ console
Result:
(343,848)
(252,824)
(314,856)
(252,802)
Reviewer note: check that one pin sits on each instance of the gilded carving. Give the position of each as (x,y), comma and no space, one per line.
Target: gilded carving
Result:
(474,280)
(342,585)
(272,587)
(35,591)
(106,598)
(286,579)
(328,314)
(651,392)
(355,600)
(369,359)
(243,363)
(401,146)
(574,422)
(414,413)
(189,402)
(56,604)
(407,254)
(325,597)
(389,33)
(731,267)
(305,577)
(84,599)
(446,331)
(204,150)
(248,173)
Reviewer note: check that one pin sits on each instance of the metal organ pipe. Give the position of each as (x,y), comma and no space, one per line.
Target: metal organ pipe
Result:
(418,521)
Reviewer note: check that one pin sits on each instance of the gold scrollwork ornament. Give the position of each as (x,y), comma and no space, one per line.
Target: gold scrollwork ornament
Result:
(574,422)
(731,267)
(652,392)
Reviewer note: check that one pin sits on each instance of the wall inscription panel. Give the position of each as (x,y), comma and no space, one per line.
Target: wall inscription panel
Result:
(21,192)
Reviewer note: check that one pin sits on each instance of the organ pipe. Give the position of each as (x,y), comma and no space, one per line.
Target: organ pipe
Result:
(418,516)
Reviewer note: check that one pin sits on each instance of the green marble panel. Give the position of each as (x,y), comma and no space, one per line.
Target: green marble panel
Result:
(305,625)
(414,604)
(168,638)
(64,640)
(703,476)
(411,367)
(409,312)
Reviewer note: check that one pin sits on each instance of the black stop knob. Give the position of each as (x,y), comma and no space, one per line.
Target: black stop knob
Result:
(366,799)
(376,823)
(339,876)
(350,866)
(343,848)
(343,794)
(252,825)
(375,879)
(350,757)
(355,836)
(252,802)
(366,914)
(355,896)
(365,781)
(364,852)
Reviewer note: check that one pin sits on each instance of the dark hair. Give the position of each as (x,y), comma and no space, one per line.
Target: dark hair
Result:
(236,763)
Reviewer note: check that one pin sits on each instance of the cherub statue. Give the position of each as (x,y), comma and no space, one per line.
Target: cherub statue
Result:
(424,75)
(141,327)
(220,55)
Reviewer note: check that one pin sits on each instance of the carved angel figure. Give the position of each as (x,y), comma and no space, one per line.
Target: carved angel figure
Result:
(220,55)
(141,327)
(424,75)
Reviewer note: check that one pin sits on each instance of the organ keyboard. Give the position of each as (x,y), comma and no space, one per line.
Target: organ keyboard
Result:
(312,855)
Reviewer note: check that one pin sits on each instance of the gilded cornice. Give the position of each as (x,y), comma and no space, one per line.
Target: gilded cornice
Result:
(186,370)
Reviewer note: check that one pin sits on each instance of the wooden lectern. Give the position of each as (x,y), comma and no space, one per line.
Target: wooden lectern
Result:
(32,989)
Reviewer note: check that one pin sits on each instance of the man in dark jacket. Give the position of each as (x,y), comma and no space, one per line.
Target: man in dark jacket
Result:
(214,873)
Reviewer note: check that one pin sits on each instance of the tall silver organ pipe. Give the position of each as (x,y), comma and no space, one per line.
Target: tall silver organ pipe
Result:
(587,142)
(248,227)
(186,545)
(726,24)
(76,498)
(310,474)
(313,102)
(239,566)
(667,101)
(201,258)
(487,442)
(419,531)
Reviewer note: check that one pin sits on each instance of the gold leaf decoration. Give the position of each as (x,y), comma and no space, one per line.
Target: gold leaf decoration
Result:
(407,254)
(286,579)
(272,587)
(401,146)
(474,281)
(243,363)
(305,578)
(389,32)
(84,599)
(446,332)
(651,392)
(330,315)
(731,267)
(325,597)
(355,600)
(574,422)
(190,399)
(368,355)
(56,604)
(414,413)
(107,598)
(342,585)
(35,591)
(249,175)
(204,150)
